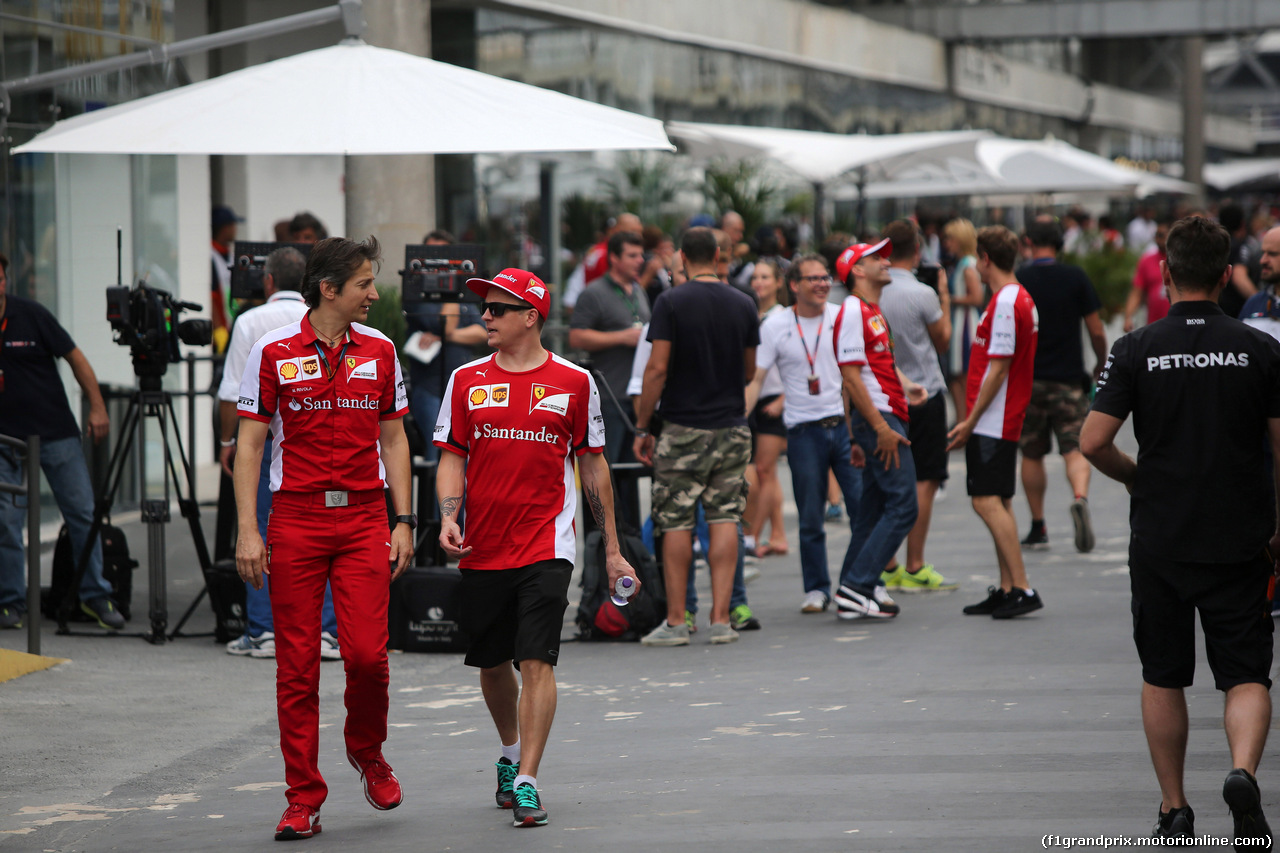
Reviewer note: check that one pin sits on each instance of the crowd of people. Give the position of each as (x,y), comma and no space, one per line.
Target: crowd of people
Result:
(709,359)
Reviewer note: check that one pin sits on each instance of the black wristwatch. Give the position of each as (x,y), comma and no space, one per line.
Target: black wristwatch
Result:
(411,520)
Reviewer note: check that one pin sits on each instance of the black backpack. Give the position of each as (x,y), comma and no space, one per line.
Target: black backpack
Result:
(117,570)
(598,617)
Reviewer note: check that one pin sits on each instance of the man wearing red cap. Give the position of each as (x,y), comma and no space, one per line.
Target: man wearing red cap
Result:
(1001,366)
(331,392)
(512,423)
(887,508)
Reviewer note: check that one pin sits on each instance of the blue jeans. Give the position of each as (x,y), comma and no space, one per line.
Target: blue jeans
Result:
(812,451)
(257,602)
(62,462)
(738,595)
(886,511)
(425,407)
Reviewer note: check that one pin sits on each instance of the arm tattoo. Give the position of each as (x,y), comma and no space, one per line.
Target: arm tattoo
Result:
(597,510)
(449,506)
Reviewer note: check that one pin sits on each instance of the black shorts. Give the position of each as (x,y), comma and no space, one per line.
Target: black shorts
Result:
(992,466)
(1235,614)
(762,424)
(927,431)
(514,614)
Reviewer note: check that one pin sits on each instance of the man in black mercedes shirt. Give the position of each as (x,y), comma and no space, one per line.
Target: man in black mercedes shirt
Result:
(1204,391)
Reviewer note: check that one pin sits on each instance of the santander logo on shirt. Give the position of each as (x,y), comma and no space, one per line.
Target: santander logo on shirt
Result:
(542,435)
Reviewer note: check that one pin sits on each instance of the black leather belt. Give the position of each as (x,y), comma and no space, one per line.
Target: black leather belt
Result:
(826,423)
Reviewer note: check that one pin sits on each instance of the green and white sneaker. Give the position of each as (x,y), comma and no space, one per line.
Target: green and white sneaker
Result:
(742,619)
(893,579)
(507,773)
(928,579)
(529,810)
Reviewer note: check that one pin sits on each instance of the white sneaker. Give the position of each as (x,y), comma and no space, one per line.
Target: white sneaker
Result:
(749,573)
(667,635)
(329,647)
(815,601)
(262,646)
(722,632)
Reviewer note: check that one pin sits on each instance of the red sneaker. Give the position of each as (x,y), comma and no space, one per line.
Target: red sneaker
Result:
(298,821)
(381,787)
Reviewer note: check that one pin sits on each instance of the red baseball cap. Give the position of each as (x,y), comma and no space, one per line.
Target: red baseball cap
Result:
(521,284)
(857,252)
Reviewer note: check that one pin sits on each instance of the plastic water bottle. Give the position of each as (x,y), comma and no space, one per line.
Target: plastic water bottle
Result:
(623,590)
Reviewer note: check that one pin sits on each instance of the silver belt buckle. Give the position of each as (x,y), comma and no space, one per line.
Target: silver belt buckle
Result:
(335,499)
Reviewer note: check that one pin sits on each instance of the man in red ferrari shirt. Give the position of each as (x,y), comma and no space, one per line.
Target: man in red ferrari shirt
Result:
(512,423)
(878,392)
(1148,285)
(331,392)
(1001,367)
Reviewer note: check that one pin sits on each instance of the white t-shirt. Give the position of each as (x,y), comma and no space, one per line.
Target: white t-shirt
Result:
(783,345)
(636,384)
(772,386)
(284,307)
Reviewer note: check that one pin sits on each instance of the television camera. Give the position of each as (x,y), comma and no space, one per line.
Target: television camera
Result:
(248,265)
(439,273)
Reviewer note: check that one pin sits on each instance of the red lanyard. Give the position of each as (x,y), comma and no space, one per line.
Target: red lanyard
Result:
(805,344)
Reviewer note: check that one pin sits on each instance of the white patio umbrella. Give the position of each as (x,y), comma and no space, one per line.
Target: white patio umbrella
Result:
(352,99)
(822,157)
(1016,166)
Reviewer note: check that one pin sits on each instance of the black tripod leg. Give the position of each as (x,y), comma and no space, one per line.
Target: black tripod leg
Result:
(191,511)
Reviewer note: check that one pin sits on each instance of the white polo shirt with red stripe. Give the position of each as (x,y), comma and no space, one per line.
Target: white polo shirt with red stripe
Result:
(862,337)
(1007,329)
(325,406)
(519,433)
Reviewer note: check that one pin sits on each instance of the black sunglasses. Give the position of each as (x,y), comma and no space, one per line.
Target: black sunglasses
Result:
(497,309)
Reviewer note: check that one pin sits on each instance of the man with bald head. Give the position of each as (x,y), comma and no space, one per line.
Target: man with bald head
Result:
(1262,311)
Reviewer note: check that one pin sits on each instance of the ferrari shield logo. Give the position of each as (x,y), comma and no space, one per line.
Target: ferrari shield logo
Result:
(351,362)
(539,392)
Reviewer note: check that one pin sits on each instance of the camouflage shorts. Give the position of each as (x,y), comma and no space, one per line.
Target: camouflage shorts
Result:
(1059,407)
(708,465)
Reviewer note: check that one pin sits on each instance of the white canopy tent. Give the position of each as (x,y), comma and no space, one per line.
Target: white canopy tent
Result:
(352,98)
(1234,175)
(1008,167)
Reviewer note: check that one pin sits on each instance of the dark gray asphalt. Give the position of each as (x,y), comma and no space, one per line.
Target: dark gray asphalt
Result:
(933,731)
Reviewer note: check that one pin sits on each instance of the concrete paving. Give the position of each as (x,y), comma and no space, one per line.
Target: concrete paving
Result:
(932,731)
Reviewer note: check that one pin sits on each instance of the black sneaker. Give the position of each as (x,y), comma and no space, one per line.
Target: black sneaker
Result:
(1083,525)
(10,618)
(529,810)
(507,773)
(855,602)
(1240,790)
(1016,603)
(1037,540)
(103,611)
(995,597)
(1175,823)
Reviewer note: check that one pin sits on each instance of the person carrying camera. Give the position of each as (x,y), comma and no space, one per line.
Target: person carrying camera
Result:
(33,402)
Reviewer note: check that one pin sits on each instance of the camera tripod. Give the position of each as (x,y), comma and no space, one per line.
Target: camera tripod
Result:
(148,401)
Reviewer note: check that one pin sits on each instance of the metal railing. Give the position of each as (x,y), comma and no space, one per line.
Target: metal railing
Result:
(29,452)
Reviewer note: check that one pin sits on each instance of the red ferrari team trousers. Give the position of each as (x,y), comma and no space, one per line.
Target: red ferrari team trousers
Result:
(307,545)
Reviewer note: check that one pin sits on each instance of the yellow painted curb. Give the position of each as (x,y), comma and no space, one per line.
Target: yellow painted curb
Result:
(14,664)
